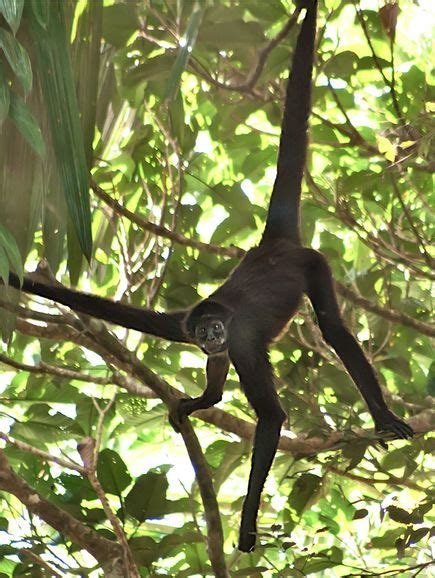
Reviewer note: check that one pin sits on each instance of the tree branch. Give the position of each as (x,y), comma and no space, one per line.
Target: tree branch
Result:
(299,445)
(130,363)
(378,63)
(88,450)
(386,312)
(40,561)
(160,230)
(248,85)
(107,553)
(41,454)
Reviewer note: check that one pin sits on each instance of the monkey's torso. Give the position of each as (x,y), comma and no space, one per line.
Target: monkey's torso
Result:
(267,286)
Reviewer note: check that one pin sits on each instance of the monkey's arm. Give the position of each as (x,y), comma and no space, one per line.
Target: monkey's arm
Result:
(322,295)
(249,356)
(166,325)
(217,371)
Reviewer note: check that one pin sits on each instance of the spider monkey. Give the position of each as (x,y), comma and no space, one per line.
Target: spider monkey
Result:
(238,321)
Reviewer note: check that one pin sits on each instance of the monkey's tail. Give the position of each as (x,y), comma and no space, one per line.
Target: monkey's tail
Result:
(283,216)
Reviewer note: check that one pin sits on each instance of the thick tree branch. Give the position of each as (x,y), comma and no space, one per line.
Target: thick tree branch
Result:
(44,368)
(112,350)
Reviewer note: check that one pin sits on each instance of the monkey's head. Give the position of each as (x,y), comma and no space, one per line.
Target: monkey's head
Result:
(207,324)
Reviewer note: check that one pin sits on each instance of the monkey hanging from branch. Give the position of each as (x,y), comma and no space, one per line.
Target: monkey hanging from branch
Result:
(237,322)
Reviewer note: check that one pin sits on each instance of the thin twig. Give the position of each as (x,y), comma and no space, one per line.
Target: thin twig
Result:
(38,560)
(420,240)
(87,449)
(65,373)
(70,464)
(162,231)
(377,62)
(101,415)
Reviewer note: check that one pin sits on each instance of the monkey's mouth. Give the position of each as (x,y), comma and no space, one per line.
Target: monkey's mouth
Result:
(215,346)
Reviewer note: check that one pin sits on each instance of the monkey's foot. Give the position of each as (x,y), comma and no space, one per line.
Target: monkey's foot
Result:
(389,423)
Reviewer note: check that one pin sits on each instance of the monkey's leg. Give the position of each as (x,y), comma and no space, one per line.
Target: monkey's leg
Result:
(322,295)
(256,378)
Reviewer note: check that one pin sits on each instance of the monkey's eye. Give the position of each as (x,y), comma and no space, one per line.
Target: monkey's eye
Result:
(202,331)
(216,326)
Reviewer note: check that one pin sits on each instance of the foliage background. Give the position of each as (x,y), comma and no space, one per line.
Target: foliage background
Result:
(180,105)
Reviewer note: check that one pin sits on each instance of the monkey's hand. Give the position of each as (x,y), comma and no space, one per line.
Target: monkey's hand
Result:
(389,423)
(179,413)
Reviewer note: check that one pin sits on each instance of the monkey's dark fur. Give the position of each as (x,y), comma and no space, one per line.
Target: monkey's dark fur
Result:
(239,320)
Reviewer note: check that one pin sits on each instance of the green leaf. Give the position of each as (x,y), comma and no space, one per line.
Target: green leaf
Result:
(12,11)
(176,112)
(75,255)
(86,64)
(41,11)
(430,384)
(387,148)
(323,560)
(4,266)
(9,244)
(112,472)
(304,489)
(360,514)
(58,89)
(156,68)
(252,571)
(417,535)
(120,22)
(27,124)
(342,65)
(147,498)
(272,10)
(18,59)
(231,34)
(145,550)
(399,365)
(184,51)
(400,515)
(5,98)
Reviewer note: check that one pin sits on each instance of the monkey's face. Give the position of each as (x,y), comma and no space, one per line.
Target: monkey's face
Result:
(211,334)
